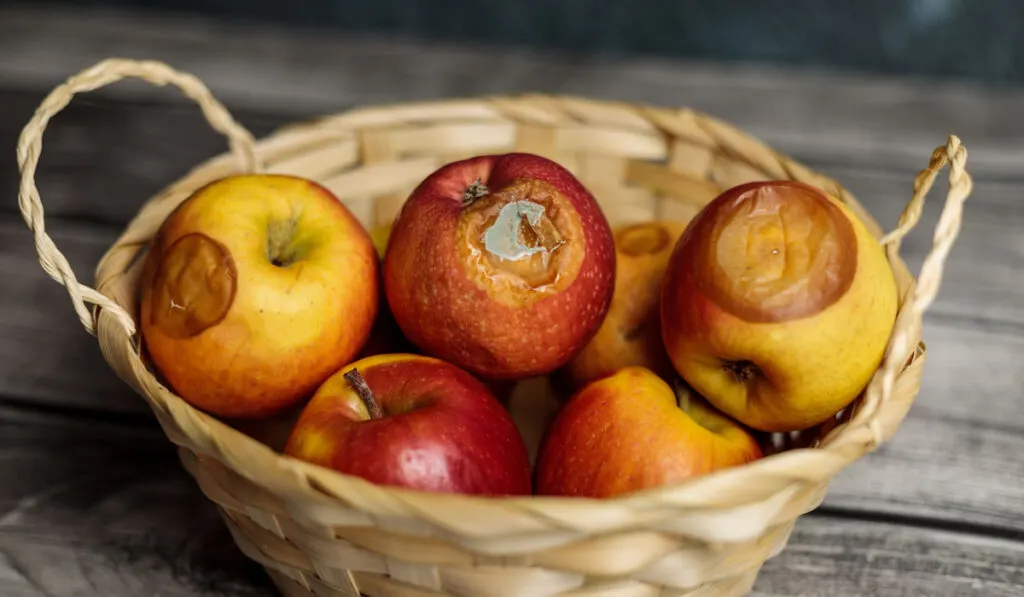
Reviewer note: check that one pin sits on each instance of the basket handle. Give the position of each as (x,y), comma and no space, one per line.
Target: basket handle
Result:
(929,279)
(30,144)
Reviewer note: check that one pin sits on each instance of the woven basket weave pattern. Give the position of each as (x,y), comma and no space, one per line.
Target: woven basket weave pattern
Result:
(321,533)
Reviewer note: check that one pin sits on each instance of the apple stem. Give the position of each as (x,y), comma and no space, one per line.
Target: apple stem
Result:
(477,190)
(355,379)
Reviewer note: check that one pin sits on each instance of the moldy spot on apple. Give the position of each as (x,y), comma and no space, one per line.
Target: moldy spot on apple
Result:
(521,242)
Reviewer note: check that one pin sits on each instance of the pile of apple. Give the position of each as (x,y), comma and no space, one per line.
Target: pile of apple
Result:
(674,345)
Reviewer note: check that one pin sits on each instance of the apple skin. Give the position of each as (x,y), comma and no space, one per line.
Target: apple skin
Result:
(777,305)
(631,331)
(471,279)
(442,430)
(626,432)
(235,334)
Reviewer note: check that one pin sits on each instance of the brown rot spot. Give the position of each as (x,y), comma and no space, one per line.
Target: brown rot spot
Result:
(194,286)
(523,241)
(646,238)
(772,252)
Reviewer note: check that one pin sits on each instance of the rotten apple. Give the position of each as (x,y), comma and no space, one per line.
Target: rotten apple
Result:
(255,289)
(503,265)
(777,305)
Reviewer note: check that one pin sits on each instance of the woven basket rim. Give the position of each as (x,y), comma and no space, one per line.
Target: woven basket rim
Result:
(280,474)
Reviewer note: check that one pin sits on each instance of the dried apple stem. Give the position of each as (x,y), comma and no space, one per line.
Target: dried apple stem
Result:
(355,379)
(477,190)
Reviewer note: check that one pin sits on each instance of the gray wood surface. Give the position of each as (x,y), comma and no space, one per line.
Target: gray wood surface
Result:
(889,121)
(85,477)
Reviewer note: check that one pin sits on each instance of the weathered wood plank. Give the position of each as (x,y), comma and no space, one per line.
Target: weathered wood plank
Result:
(102,158)
(45,355)
(838,117)
(88,508)
(92,509)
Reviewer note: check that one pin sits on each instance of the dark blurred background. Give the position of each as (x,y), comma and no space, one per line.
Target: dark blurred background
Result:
(964,39)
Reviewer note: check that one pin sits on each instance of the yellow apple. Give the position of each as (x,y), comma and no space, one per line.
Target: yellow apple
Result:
(630,333)
(255,290)
(777,305)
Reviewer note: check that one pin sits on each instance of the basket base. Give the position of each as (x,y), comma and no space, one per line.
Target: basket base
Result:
(380,586)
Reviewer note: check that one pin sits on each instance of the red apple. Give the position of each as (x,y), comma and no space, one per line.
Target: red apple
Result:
(416,422)
(630,431)
(503,265)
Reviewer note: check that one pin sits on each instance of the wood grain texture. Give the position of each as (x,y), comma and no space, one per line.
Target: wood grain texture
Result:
(884,121)
(88,508)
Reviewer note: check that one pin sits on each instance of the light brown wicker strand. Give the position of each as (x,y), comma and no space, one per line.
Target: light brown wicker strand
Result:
(930,277)
(30,145)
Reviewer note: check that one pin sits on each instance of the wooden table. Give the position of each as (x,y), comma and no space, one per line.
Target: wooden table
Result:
(92,499)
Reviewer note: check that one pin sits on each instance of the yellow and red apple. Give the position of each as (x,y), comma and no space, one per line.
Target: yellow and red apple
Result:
(627,432)
(255,289)
(503,265)
(631,331)
(416,422)
(777,305)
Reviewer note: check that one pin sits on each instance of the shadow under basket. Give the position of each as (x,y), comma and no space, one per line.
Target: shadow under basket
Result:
(318,532)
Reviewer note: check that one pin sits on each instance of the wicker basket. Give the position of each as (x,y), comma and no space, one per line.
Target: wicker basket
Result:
(321,533)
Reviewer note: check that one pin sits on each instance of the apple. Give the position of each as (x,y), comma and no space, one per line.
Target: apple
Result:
(631,331)
(416,422)
(503,265)
(628,432)
(777,305)
(255,289)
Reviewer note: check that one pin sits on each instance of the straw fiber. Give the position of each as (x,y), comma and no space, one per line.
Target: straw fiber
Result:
(321,533)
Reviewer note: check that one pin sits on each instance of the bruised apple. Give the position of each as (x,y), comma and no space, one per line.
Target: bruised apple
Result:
(503,265)
(777,305)
(256,289)
(628,432)
(631,331)
(415,422)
